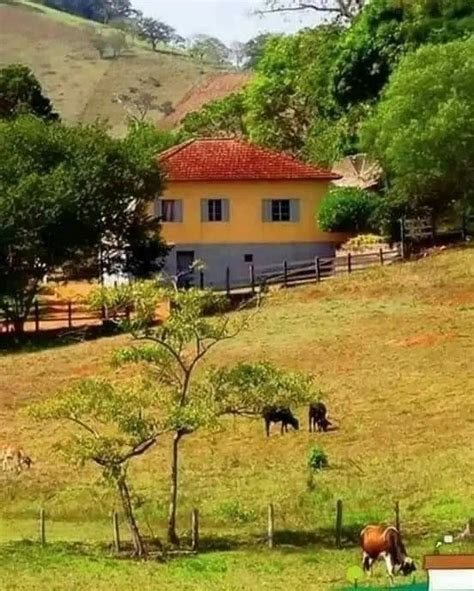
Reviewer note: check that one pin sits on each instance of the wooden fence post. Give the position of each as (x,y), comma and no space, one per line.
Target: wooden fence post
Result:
(402,237)
(69,314)
(317,265)
(339,523)
(42,529)
(195,530)
(227,280)
(252,278)
(116,531)
(381,256)
(37,316)
(201,279)
(271,525)
(349,262)
(285,273)
(397,515)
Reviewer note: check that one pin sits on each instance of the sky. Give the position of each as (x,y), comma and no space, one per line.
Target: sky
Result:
(230,20)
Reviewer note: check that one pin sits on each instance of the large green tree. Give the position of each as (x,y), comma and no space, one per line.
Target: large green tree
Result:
(218,118)
(21,93)
(291,88)
(156,32)
(423,129)
(67,193)
(254,50)
(387,29)
(210,49)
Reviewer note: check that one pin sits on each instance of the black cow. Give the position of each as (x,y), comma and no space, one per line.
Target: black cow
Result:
(317,417)
(279,414)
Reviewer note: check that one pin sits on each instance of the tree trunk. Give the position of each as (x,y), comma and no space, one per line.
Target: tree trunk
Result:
(139,549)
(172,535)
(19,325)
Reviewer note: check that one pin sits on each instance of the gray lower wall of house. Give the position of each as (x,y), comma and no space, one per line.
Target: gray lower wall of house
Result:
(217,257)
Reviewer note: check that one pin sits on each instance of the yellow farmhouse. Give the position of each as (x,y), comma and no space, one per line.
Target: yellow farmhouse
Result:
(231,204)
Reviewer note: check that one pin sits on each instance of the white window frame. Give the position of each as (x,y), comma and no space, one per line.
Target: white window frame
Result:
(177,210)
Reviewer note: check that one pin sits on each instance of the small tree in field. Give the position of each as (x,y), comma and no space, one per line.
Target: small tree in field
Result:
(113,425)
(173,352)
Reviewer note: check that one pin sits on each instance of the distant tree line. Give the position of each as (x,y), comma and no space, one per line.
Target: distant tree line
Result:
(121,15)
(102,11)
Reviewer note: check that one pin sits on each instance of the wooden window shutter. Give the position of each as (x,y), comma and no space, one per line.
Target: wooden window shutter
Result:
(266,210)
(204,210)
(225,210)
(294,210)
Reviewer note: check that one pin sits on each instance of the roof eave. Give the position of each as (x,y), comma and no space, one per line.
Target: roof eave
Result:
(322,177)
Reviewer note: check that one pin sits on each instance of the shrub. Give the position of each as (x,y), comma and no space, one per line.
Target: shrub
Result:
(317,458)
(232,511)
(363,242)
(348,209)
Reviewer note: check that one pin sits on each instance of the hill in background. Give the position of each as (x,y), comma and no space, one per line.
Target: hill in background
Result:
(212,87)
(58,48)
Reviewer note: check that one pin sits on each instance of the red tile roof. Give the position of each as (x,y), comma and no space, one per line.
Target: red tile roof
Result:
(232,160)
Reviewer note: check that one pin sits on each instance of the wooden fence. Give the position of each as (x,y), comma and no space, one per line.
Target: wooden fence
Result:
(288,273)
(60,314)
(63,314)
(339,536)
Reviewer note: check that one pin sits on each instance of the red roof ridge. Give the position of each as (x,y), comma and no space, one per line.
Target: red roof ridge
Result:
(175,149)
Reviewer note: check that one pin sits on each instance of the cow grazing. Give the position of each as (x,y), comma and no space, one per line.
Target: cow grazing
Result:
(279,414)
(14,457)
(317,417)
(377,542)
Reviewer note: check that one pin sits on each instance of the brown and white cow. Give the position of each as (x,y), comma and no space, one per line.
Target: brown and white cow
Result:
(15,458)
(379,542)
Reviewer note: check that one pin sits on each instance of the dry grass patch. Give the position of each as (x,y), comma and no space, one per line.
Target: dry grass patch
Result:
(398,375)
(58,48)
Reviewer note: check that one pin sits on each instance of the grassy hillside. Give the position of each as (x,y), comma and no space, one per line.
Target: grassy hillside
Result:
(57,46)
(393,351)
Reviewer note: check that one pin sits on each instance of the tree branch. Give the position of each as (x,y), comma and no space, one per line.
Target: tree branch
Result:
(78,421)
(300,8)
(164,344)
(140,449)
(137,450)
(347,9)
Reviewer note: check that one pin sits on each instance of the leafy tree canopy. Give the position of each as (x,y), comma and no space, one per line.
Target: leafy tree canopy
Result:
(218,118)
(157,32)
(387,29)
(21,93)
(254,50)
(209,49)
(65,191)
(291,88)
(347,209)
(423,129)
